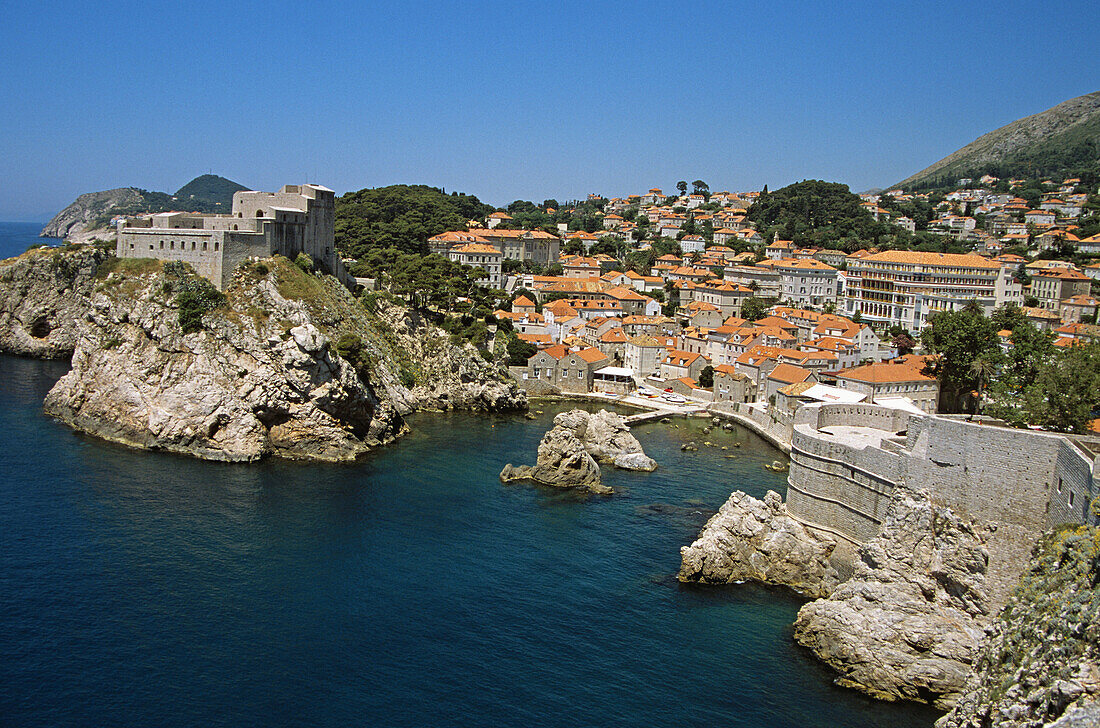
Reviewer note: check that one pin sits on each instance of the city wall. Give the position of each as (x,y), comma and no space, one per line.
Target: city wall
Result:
(846,461)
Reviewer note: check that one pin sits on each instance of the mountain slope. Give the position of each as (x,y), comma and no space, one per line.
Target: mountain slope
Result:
(1061,140)
(93,210)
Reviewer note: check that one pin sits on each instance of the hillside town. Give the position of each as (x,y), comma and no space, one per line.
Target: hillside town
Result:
(727,312)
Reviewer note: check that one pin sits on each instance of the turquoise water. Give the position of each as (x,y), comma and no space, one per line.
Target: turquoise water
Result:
(409,589)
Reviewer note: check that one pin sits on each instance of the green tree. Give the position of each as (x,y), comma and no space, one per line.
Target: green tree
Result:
(1066,393)
(754,308)
(957,338)
(706,377)
(519,351)
(682,186)
(699,187)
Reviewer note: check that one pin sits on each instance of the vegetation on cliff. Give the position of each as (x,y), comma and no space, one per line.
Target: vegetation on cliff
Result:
(1043,653)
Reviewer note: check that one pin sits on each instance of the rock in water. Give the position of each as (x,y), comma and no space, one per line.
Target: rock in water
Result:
(635,461)
(563,462)
(607,438)
(750,539)
(908,622)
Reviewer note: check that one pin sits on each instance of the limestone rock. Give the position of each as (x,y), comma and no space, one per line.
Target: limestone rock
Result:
(908,622)
(635,461)
(607,438)
(563,462)
(447,376)
(751,539)
(44,295)
(235,391)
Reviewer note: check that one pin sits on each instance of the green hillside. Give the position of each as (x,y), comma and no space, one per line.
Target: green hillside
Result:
(400,216)
(211,192)
(813,212)
(1063,141)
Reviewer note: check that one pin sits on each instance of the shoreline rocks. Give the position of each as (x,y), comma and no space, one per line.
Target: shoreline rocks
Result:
(262,376)
(908,622)
(756,540)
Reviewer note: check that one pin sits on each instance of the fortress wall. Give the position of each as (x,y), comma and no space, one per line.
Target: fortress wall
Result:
(862,415)
(841,488)
(1017,481)
(184,245)
(237,248)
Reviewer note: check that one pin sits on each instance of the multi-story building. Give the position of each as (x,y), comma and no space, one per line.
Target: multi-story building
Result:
(536,246)
(807,282)
(892,380)
(1054,285)
(479,255)
(904,287)
(296,219)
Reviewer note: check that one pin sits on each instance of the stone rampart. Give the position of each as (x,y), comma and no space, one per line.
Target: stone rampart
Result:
(846,461)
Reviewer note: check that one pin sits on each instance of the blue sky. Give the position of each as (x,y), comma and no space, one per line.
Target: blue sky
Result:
(514,100)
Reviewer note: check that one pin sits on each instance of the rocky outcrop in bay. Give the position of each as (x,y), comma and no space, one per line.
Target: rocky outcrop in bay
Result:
(607,438)
(756,540)
(562,462)
(908,622)
(1040,663)
(569,452)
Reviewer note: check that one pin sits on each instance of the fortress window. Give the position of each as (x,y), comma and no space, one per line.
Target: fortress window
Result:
(192,245)
(151,246)
(162,245)
(234,227)
(215,245)
(131,246)
(1071,498)
(172,244)
(204,244)
(259,213)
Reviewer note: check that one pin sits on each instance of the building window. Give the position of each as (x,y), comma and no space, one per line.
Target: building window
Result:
(162,245)
(1071,498)
(215,245)
(172,244)
(204,245)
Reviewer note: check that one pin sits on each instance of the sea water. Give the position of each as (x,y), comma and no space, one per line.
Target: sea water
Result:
(410,588)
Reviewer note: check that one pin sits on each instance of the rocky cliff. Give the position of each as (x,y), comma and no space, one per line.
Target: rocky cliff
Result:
(88,211)
(1040,665)
(287,364)
(756,540)
(907,624)
(44,295)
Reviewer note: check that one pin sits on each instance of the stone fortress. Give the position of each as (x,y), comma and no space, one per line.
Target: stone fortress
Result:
(847,459)
(296,219)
